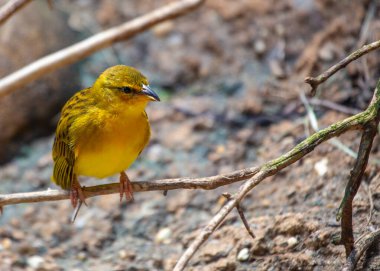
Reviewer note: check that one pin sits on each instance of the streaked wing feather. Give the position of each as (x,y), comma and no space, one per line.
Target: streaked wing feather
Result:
(64,144)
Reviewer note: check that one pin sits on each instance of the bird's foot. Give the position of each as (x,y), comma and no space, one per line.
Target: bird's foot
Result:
(76,193)
(125,187)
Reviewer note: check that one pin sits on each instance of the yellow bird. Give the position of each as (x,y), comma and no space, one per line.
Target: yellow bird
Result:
(102,130)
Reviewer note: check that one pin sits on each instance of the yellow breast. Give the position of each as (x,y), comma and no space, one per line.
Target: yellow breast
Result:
(113,146)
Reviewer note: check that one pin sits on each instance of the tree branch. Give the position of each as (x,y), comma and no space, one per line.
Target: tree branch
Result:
(369,133)
(11,7)
(271,168)
(206,183)
(314,82)
(99,41)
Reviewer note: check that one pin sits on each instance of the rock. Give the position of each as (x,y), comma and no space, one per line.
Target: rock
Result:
(81,256)
(28,110)
(163,236)
(292,242)
(243,255)
(260,47)
(327,52)
(6,243)
(35,261)
(321,167)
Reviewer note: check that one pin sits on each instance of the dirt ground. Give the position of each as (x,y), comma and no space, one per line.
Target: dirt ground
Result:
(230,76)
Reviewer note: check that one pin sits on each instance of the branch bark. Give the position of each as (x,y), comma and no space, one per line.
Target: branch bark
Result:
(369,133)
(11,7)
(95,43)
(206,183)
(314,82)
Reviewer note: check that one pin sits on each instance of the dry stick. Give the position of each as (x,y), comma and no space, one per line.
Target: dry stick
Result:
(370,130)
(11,7)
(245,222)
(242,216)
(334,106)
(99,41)
(360,247)
(206,183)
(347,236)
(314,82)
(273,167)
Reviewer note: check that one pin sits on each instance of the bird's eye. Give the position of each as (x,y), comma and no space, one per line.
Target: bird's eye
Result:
(126,89)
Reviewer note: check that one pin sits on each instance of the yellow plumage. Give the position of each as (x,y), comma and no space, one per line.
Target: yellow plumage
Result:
(102,129)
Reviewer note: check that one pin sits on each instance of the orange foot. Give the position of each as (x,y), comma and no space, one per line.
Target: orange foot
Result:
(125,187)
(76,193)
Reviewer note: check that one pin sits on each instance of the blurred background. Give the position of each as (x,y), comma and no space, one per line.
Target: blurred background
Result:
(230,75)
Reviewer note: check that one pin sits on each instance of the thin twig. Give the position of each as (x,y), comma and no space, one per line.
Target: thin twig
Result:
(367,188)
(334,106)
(360,247)
(245,222)
(240,210)
(314,82)
(370,14)
(11,7)
(96,42)
(206,183)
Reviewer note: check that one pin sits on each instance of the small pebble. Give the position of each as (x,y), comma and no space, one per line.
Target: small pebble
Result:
(123,254)
(260,47)
(81,256)
(243,255)
(6,243)
(35,261)
(292,241)
(321,167)
(163,236)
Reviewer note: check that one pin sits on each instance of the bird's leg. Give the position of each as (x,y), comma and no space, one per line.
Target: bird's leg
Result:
(125,187)
(76,193)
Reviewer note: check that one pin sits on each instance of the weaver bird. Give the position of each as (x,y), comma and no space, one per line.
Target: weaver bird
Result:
(102,130)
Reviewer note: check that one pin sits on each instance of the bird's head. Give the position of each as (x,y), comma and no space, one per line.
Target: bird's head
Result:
(127,83)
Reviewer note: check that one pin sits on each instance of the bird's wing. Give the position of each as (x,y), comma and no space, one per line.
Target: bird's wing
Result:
(65,142)
(63,156)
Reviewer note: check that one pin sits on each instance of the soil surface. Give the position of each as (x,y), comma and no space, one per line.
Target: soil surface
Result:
(230,76)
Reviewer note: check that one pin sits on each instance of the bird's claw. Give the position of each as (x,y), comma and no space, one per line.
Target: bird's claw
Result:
(76,193)
(125,188)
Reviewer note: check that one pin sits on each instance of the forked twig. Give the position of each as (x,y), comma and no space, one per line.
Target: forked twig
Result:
(314,82)
(240,210)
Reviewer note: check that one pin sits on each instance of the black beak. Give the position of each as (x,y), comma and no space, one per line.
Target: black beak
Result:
(146,90)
